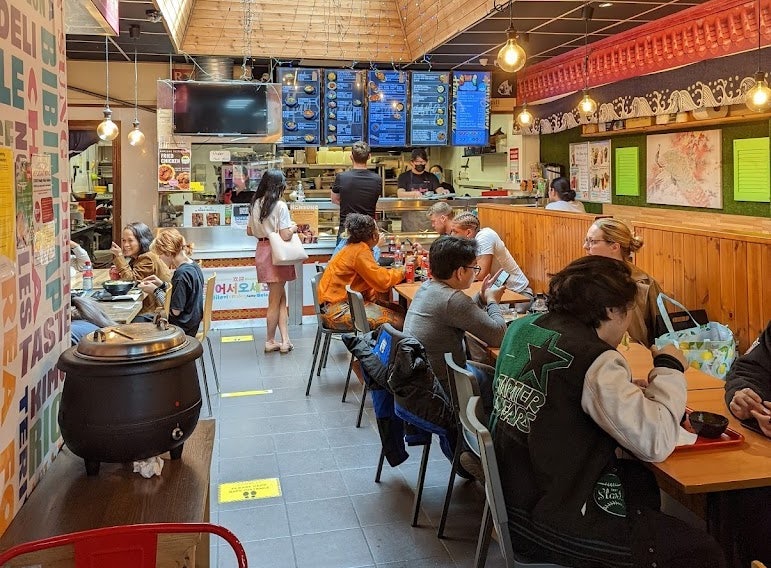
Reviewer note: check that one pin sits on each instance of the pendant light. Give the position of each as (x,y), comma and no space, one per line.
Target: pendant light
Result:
(587,106)
(107,129)
(525,117)
(758,98)
(511,58)
(135,137)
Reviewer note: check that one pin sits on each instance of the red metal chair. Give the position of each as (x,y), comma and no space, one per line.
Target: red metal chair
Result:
(125,546)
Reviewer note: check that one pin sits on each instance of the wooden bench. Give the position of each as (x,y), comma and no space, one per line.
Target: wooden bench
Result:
(66,500)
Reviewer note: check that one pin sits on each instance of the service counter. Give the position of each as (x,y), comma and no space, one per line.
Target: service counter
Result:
(229,252)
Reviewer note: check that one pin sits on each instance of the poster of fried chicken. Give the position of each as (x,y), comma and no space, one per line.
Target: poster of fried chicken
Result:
(174,169)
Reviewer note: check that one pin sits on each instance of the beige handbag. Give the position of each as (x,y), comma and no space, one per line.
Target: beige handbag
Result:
(286,252)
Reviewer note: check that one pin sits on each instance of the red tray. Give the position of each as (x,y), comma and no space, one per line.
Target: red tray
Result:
(728,439)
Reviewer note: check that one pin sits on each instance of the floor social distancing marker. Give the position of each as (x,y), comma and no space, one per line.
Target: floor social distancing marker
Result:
(245,393)
(236,338)
(249,490)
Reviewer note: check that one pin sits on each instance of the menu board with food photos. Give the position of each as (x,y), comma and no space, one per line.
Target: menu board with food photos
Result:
(300,98)
(428,114)
(343,107)
(387,109)
(470,108)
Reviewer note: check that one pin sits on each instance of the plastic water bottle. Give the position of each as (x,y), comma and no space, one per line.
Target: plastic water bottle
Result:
(88,276)
(300,192)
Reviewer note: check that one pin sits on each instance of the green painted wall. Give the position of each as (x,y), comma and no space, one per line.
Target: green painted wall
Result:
(555,148)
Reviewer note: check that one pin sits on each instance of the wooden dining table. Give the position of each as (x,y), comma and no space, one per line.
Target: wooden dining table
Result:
(118,311)
(407,291)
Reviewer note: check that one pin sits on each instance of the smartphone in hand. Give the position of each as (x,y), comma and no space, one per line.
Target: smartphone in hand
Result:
(500,282)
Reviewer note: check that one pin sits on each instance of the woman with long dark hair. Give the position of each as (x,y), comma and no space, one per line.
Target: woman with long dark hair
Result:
(562,197)
(134,261)
(269,214)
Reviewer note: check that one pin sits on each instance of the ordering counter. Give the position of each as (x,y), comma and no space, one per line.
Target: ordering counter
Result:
(229,252)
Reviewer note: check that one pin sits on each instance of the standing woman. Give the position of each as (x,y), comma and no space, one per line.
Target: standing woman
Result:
(563,198)
(613,239)
(134,261)
(187,284)
(269,214)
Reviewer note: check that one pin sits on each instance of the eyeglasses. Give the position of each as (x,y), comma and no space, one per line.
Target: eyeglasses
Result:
(476,269)
(591,242)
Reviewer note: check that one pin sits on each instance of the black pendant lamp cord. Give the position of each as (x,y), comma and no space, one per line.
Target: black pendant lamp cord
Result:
(758,35)
(136,92)
(587,13)
(107,70)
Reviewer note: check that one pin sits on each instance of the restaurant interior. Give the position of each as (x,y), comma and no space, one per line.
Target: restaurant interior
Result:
(658,114)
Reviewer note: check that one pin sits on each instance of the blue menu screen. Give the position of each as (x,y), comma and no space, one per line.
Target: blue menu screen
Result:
(470,108)
(429,117)
(343,107)
(387,108)
(300,108)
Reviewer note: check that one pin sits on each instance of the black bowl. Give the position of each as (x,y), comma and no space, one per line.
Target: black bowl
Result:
(385,260)
(708,424)
(84,196)
(118,287)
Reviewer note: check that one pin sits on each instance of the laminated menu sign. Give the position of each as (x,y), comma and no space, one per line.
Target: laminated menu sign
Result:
(343,107)
(306,217)
(174,169)
(207,215)
(599,172)
(470,108)
(579,170)
(428,114)
(300,106)
(387,111)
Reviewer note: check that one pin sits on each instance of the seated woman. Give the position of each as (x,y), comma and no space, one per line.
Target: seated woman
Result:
(355,265)
(564,404)
(441,313)
(563,198)
(187,282)
(87,317)
(78,258)
(613,239)
(748,396)
(134,261)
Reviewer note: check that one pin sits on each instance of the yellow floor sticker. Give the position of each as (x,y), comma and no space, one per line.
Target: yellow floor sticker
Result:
(251,489)
(245,393)
(236,338)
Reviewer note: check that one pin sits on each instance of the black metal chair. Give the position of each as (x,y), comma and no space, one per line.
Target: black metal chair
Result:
(323,335)
(463,386)
(495,507)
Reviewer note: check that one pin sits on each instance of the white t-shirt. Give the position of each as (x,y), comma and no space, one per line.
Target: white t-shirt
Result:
(568,206)
(278,219)
(488,242)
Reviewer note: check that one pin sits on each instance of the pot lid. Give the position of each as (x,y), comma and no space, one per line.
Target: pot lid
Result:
(131,341)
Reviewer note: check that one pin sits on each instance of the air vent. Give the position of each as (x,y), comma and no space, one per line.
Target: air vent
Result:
(214,69)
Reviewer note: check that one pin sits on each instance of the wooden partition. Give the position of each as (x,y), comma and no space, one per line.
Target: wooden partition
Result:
(725,271)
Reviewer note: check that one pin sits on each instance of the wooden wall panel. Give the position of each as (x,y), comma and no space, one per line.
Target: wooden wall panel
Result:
(722,271)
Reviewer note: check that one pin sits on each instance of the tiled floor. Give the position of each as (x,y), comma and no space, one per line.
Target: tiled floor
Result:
(331,512)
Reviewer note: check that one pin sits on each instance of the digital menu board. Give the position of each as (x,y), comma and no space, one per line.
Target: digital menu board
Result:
(429,105)
(300,98)
(343,107)
(387,108)
(470,108)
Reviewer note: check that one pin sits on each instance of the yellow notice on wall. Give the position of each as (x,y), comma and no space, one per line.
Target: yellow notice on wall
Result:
(250,490)
(7,205)
(236,338)
(752,175)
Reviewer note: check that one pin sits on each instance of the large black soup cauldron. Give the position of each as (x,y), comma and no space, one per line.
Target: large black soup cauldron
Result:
(131,392)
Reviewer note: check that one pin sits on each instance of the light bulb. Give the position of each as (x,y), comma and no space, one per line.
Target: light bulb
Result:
(107,129)
(136,137)
(525,117)
(758,98)
(587,104)
(511,58)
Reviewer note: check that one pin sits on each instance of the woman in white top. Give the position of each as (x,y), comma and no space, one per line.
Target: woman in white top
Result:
(269,214)
(563,198)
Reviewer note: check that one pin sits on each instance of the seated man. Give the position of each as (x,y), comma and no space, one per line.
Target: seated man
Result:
(492,254)
(564,404)
(441,313)
(441,214)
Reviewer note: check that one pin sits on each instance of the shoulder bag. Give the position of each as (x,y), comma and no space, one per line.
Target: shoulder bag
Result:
(286,252)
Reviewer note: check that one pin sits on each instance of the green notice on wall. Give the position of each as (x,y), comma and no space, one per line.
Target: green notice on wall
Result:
(627,168)
(752,170)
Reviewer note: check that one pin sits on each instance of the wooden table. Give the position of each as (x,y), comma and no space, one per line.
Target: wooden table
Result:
(119,312)
(407,290)
(67,500)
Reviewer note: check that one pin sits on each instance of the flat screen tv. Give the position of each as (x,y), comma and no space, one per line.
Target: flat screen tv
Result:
(206,108)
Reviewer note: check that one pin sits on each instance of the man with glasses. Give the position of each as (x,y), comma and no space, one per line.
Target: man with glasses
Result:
(441,312)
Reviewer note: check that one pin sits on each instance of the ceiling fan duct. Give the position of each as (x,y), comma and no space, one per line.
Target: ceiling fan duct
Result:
(211,68)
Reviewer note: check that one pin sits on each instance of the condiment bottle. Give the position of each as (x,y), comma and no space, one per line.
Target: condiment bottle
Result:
(88,276)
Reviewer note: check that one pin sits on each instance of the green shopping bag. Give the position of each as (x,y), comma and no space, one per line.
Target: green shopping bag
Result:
(709,347)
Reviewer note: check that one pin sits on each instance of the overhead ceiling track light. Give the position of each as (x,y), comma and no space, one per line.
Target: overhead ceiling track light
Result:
(107,129)
(587,106)
(511,58)
(758,98)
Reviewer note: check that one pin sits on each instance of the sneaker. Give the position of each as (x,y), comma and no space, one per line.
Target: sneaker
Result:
(471,463)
